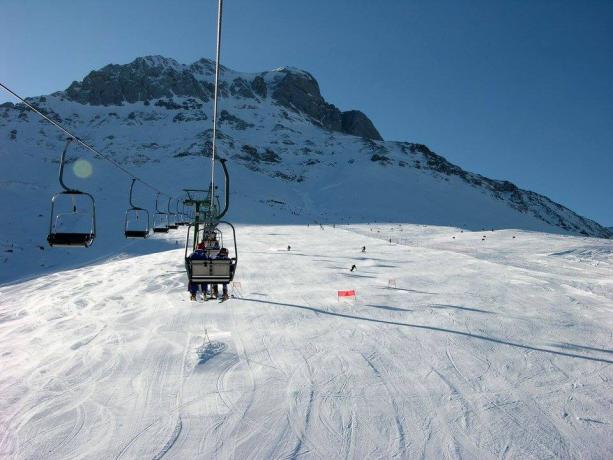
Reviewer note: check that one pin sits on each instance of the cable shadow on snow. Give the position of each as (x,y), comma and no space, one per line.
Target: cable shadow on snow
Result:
(352,275)
(432,328)
(387,307)
(477,310)
(375,259)
(409,290)
(573,346)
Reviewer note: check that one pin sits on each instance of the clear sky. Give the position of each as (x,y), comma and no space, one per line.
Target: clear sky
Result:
(512,89)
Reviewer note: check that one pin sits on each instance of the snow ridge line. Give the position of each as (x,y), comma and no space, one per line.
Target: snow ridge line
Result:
(171,441)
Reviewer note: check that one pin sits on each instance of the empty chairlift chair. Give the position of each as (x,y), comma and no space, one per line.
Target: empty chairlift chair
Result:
(73,214)
(172,218)
(160,219)
(137,220)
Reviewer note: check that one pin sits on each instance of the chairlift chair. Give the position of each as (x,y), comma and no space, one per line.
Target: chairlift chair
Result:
(210,271)
(160,219)
(74,225)
(137,220)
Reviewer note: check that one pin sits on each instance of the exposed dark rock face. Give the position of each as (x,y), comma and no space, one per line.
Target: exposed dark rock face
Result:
(381,159)
(269,156)
(142,79)
(258,85)
(299,91)
(251,154)
(240,88)
(355,122)
(227,117)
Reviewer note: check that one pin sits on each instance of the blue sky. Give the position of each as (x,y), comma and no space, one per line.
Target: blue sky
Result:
(517,89)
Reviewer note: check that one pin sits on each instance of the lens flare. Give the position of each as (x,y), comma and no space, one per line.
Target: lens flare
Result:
(82,168)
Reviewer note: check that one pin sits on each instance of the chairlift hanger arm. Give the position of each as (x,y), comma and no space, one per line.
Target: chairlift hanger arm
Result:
(131,189)
(62,163)
(226,187)
(157,209)
(235,258)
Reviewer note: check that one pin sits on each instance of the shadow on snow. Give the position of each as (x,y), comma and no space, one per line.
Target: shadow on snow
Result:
(435,329)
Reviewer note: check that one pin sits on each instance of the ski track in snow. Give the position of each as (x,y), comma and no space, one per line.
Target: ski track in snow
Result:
(484,349)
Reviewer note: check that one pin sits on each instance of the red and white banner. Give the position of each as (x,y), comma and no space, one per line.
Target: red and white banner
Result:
(346,293)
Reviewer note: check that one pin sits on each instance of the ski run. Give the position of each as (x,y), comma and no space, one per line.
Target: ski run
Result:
(459,345)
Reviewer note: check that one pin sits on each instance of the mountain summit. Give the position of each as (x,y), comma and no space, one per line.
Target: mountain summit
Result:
(154,77)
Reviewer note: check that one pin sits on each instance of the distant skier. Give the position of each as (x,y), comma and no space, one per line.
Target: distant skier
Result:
(363,248)
(353,268)
(289,248)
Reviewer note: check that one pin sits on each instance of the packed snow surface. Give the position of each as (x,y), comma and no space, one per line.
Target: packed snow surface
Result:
(459,345)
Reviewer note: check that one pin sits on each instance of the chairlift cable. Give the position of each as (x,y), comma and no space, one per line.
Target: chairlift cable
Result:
(215,98)
(76,138)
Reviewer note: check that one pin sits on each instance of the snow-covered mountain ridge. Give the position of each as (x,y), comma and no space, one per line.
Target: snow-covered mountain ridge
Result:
(155,77)
(294,158)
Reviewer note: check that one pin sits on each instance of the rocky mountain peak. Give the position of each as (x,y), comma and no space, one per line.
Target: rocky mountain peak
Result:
(298,90)
(157,61)
(145,78)
(155,77)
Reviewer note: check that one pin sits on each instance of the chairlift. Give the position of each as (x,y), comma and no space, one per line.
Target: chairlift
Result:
(73,214)
(160,218)
(208,212)
(137,220)
(210,270)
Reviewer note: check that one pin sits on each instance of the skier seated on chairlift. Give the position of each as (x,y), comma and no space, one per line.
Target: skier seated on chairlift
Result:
(198,254)
(223,255)
(212,243)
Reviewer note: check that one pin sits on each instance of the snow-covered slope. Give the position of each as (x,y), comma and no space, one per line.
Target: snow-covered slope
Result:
(481,349)
(294,158)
